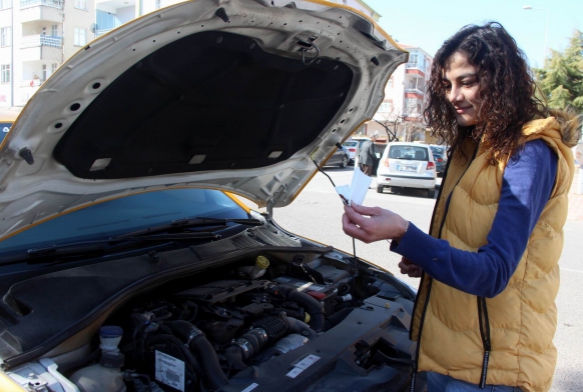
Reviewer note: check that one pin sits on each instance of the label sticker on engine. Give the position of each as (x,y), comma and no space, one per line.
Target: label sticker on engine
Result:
(302,364)
(170,371)
(306,361)
(250,387)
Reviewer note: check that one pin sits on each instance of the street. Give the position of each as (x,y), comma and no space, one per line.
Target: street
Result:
(316,214)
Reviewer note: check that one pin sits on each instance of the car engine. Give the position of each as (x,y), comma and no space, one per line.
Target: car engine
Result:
(273,321)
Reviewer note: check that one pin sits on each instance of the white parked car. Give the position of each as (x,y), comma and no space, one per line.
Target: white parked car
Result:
(407,165)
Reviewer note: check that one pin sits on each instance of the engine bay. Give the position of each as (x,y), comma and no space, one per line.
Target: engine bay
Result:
(219,334)
(319,322)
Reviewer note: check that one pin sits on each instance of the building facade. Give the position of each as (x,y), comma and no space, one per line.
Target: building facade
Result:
(402,107)
(35,39)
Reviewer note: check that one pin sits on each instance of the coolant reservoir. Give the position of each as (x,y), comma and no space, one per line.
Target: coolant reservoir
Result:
(258,270)
(261,265)
(105,376)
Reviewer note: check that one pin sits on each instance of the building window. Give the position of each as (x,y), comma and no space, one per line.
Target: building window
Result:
(5,73)
(105,21)
(81,4)
(80,36)
(54,67)
(5,36)
(386,107)
(54,31)
(44,31)
(44,74)
(4,4)
(413,106)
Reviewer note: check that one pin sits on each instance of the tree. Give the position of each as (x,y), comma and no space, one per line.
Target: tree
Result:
(409,127)
(561,79)
(389,126)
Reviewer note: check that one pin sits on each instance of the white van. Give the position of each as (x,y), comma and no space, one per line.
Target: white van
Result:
(407,165)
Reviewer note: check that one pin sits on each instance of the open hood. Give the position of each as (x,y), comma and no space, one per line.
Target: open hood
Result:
(238,95)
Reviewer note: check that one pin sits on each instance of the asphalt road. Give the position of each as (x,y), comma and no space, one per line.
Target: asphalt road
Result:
(316,214)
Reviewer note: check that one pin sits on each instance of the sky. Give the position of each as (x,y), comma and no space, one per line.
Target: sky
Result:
(427,23)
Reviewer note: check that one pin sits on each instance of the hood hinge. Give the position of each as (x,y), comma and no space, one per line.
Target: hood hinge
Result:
(280,191)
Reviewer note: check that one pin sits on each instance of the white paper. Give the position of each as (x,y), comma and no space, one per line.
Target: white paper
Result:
(356,191)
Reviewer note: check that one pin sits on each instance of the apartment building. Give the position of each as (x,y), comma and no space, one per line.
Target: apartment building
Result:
(402,107)
(35,39)
(37,36)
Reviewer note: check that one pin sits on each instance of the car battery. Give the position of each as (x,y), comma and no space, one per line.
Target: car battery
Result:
(325,294)
(333,275)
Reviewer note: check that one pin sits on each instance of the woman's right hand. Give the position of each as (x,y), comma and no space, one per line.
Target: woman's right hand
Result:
(409,268)
(370,224)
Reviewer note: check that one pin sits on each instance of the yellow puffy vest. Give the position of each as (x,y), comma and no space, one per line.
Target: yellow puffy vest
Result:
(523,318)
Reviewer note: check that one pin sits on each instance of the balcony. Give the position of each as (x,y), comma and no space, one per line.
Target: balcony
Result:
(99,33)
(41,47)
(414,91)
(415,69)
(37,3)
(34,10)
(31,41)
(31,82)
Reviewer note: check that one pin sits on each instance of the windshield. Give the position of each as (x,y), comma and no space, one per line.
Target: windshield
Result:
(4,128)
(123,215)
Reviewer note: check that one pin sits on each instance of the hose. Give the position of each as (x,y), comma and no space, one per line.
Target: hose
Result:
(301,328)
(213,371)
(196,340)
(312,306)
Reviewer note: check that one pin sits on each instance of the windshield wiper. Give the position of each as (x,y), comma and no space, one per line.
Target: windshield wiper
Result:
(68,249)
(99,247)
(167,232)
(178,236)
(186,223)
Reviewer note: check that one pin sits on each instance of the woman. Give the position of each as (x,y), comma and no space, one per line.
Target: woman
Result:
(485,314)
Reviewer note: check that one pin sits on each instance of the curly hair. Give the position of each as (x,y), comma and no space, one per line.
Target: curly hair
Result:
(506,90)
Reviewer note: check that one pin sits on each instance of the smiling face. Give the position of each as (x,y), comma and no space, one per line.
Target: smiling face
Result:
(460,79)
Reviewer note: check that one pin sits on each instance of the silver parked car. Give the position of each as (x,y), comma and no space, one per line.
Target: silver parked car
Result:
(407,165)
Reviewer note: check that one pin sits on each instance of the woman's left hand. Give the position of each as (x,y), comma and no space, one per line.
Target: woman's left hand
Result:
(370,224)
(409,268)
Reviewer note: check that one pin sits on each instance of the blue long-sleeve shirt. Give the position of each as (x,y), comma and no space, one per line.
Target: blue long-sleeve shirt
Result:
(527,184)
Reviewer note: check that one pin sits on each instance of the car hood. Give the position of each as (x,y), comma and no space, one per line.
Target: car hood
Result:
(238,95)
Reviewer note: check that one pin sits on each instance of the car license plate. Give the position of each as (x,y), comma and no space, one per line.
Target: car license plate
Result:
(407,168)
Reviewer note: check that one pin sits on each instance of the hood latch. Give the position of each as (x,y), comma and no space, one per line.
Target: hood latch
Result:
(308,45)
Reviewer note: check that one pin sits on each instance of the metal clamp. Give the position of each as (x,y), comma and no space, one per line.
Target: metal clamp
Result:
(306,46)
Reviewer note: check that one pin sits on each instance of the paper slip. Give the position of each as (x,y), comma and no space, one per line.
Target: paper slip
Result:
(356,191)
